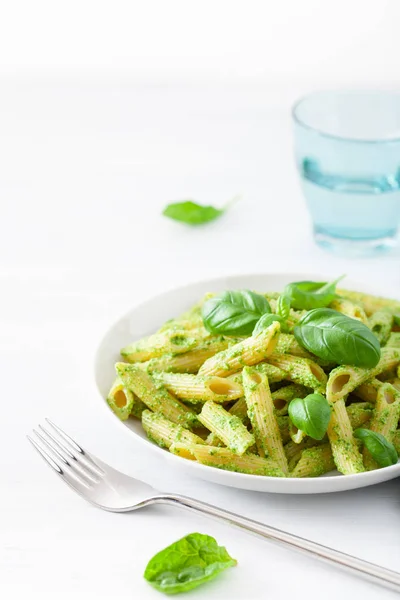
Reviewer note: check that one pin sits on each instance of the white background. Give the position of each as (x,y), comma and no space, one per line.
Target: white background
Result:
(107,112)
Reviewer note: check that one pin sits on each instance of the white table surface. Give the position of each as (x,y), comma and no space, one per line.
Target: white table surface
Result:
(85,169)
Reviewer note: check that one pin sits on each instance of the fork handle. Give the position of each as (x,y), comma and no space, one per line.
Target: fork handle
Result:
(351,564)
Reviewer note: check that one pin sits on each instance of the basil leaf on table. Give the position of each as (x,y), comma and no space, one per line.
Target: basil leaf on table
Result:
(191,213)
(283,306)
(306,295)
(189,562)
(311,415)
(333,336)
(234,313)
(381,450)
(266,320)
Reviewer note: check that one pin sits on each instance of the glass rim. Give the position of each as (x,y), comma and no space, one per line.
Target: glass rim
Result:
(332,136)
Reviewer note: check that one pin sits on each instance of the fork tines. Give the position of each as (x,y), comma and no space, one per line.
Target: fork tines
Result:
(65,456)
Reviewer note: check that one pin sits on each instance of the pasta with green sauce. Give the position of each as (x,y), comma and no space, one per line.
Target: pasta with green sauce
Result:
(264,384)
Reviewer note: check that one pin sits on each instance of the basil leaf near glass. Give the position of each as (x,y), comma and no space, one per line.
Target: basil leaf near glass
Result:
(347,149)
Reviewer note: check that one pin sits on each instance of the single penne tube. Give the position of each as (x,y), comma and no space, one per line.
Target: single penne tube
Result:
(156,397)
(393,340)
(120,399)
(385,418)
(191,361)
(223,458)
(164,433)
(345,450)
(301,370)
(380,323)
(345,379)
(282,397)
(174,341)
(350,309)
(238,409)
(274,374)
(314,462)
(228,428)
(368,391)
(250,351)
(199,387)
(370,303)
(261,411)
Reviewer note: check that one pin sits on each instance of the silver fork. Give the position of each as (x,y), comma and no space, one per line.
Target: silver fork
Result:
(107,488)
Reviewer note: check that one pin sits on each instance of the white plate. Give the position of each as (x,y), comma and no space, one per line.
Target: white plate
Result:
(146,318)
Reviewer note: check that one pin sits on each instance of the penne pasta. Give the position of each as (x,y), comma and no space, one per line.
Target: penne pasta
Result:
(314,462)
(248,352)
(274,374)
(380,323)
(228,428)
(345,379)
(165,433)
(188,362)
(261,411)
(157,398)
(349,308)
(207,389)
(345,451)
(393,340)
(281,398)
(370,303)
(175,341)
(120,400)
(385,418)
(368,391)
(198,387)
(301,370)
(223,458)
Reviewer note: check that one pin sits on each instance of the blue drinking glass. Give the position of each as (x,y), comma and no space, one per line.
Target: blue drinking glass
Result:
(347,147)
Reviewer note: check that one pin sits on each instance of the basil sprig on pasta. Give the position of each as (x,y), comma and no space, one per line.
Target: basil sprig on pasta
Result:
(311,415)
(306,295)
(234,313)
(381,450)
(266,320)
(333,336)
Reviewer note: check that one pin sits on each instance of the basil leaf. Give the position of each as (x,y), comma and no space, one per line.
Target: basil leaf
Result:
(234,313)
(381,450)
(189,562)
(311,414)
(266,320)
(311,294)
(335,337)
(283,306)
(396,320)
(191,213)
